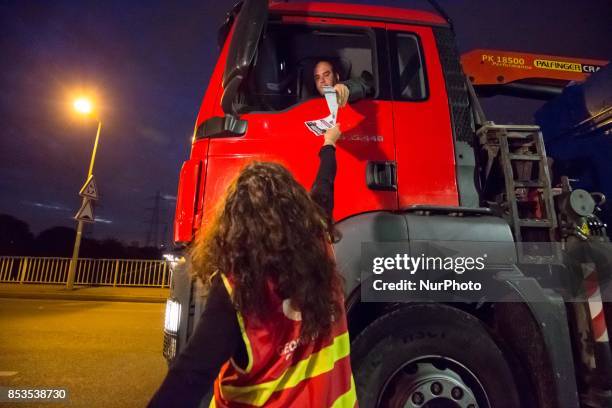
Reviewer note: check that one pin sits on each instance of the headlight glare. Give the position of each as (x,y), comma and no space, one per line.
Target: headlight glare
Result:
(173,316)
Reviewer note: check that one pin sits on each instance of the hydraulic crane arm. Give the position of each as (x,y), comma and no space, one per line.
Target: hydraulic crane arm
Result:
(494,72)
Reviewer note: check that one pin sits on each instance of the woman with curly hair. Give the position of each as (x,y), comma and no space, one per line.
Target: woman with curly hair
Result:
(274,329)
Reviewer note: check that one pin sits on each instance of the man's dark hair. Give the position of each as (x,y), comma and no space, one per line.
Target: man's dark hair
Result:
(333,65)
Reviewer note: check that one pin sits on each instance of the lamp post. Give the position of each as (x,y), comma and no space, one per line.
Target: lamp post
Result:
(84,107)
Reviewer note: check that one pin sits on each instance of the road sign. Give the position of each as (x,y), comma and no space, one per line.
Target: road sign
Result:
(85,213)
(89,190)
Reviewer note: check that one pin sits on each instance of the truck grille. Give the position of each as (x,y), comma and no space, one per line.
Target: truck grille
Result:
(170,343)
(456,87)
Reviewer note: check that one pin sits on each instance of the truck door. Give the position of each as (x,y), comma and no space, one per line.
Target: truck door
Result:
(276,99)
(422,127)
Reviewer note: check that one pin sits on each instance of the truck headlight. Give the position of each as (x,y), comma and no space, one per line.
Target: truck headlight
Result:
(173,316)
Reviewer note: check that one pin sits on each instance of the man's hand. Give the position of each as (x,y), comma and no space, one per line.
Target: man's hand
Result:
(343,94)
(332,135)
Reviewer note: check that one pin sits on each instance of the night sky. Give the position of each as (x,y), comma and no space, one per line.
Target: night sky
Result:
(148,64)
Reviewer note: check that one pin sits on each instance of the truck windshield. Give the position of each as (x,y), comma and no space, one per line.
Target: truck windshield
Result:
(282,75)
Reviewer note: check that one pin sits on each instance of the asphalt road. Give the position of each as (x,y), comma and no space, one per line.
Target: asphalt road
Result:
(106,354)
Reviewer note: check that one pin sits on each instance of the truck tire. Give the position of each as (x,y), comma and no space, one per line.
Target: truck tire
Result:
(431,356)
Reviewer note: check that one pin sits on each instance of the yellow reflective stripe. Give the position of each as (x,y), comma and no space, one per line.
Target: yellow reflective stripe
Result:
(348,399)
(317,364)
(245,338)
(212,404)
(226,283)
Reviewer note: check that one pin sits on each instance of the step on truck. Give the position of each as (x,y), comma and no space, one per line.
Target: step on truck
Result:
(417,162)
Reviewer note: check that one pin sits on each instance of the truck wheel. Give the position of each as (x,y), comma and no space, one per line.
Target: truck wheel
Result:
(430,356)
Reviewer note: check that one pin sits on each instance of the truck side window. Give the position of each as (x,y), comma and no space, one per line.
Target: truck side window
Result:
(407,67)
(282,74)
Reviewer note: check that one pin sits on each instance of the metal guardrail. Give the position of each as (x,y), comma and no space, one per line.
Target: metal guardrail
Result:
(103,272)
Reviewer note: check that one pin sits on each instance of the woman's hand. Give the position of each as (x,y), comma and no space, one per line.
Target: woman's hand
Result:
(332,135)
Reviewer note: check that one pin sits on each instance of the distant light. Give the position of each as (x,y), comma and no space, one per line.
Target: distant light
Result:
(83,105)
(103,220)
(174,259)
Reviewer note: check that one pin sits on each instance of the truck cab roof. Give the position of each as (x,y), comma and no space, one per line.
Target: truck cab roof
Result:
(360,12)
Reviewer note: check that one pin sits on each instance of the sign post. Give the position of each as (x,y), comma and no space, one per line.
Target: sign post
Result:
(89,192)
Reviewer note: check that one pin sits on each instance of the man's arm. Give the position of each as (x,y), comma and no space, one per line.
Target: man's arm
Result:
(359,88)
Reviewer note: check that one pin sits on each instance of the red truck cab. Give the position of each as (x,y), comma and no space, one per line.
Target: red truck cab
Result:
(385,156)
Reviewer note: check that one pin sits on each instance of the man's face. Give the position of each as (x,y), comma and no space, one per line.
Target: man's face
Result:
(324,75)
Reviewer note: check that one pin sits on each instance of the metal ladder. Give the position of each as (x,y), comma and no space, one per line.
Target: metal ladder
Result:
(528,199)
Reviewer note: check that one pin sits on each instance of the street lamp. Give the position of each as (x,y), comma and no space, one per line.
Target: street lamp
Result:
(83,106)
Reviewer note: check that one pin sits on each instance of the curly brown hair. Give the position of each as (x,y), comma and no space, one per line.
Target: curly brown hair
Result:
(269,229)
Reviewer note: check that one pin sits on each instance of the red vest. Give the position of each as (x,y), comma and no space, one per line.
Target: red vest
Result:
(285,370)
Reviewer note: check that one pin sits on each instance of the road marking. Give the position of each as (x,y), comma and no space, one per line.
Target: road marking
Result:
(8,373)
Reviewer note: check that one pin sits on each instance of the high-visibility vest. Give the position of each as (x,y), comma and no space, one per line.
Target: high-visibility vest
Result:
(283,369)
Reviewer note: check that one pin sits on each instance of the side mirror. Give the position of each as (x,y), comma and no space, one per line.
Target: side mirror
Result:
(248,29)
(230,90)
